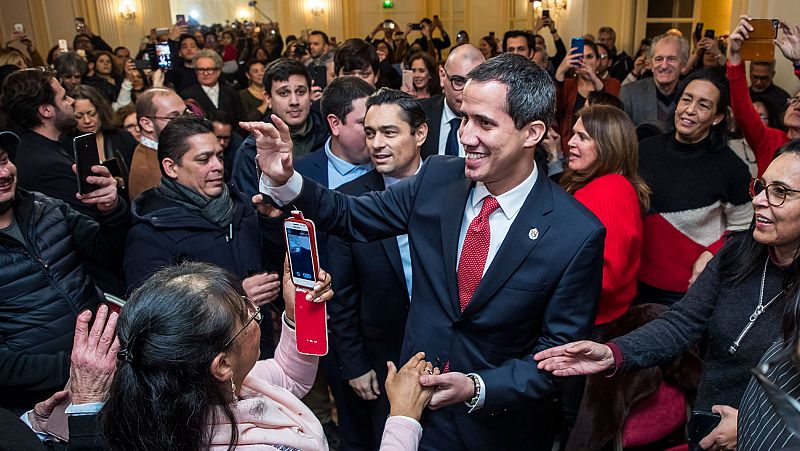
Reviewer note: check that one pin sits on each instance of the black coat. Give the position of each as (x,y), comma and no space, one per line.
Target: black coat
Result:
(228,101)
(44,285)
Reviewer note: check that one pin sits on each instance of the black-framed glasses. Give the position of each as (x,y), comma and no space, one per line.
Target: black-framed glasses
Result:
(187,111)
(456,81)
(776,193)
(257,316)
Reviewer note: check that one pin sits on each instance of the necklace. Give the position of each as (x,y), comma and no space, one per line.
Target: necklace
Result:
(760,308)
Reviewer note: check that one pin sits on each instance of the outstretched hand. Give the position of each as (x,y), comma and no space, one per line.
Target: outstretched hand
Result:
(406,396)
(451,388)
(94,356)
(273,148)
(577,358)
(789,41)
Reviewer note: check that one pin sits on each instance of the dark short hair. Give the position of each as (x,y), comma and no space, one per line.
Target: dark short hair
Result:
(355,54)
(220,116)
(184,37)
(120,48)
(173,142)
(517,34)
(411,110)
(100,102)
(339,95)
(250,63)
(70,63)
(24,91)
(531,94)
(321,33)
(281,69)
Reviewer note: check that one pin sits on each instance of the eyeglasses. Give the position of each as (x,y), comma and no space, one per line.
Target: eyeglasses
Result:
(257,316)
(206,70)
(793,100)
(602,57)
(186,112)
(456,81)
(90,113)
(776,193)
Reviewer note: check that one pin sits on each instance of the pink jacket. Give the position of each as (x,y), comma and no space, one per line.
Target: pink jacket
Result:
(269,411)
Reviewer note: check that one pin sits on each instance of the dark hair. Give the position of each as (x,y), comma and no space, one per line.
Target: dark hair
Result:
(281,69)
(411,110)
(390,56)
(718,135)
(120,48)
(604,98)
(24,91)
(220,116)
(121,114)
(6,70)
(321,33)
(250,63)
(531,94)
(173,142)
(605,47)
(355,54)
(186,36)
(163,395)
(70,63)
(775,119)
(516,34)
(90,93)
(616,148)
(116,67)
(592,45)
(339,95)
(492,43)
(81,35)
(434,87)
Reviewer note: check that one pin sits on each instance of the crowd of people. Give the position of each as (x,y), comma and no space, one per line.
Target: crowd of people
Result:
(517,249)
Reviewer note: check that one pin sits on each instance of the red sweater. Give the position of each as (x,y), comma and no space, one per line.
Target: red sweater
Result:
(613,200)
(762,139)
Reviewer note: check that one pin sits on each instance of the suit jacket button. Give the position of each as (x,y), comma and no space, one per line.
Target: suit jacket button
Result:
(457,326)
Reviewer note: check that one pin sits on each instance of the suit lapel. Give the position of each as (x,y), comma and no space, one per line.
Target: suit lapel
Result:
(452,215)
(374,182)
(518,243)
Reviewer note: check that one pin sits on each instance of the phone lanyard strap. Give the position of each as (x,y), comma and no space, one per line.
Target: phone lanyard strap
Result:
(297,214)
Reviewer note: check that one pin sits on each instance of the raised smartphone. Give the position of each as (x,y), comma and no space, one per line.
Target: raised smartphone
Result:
(310,317)
(19,28)
(62,46)
(164,57)
(577,44)
(86,156)
(408,78)
(759,45)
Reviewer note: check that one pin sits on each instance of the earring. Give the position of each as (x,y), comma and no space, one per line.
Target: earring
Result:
(233,390)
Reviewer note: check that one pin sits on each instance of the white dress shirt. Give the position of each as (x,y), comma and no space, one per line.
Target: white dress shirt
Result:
(212,93)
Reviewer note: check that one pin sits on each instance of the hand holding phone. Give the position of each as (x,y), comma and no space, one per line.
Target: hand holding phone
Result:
(86,156)
(577,45)
(310,317)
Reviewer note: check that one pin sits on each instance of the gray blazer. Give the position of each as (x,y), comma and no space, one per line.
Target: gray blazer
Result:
(640,100)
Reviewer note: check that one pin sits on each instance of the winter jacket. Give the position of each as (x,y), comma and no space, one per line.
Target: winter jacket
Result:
(44,285)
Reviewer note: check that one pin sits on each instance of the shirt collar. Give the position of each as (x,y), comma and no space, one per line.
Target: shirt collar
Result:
(448,114)
(147,142)
(341,166)
(511,201)
(387,180)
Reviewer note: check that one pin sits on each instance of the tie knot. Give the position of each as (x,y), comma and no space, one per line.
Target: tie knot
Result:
(489,206)
(455,123)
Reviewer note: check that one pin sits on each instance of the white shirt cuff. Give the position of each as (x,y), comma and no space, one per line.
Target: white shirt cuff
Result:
(90,408)
(284,194)
(481,396)
(24,418)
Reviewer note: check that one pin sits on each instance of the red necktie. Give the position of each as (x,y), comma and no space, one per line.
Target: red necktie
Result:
(474,252)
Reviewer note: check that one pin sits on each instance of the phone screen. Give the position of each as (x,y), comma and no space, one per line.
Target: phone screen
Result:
(19,28)
(62,46)
(408,78)
(164,57)
(180,19)
(300,255)
(86,156)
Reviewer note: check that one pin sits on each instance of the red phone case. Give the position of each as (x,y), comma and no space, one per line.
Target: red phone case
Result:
(311,318)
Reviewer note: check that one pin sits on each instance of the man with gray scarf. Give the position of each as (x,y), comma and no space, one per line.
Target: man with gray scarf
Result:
(194,216)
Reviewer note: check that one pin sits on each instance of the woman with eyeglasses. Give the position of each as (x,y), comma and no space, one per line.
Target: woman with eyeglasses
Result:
(189,378)
(425,78)
(576,77)
(763,139)
(93,114)
(737,302)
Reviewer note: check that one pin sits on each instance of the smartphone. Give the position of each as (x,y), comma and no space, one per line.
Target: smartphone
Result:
(85,148)
(491,33)
(701,424)
(388,24)
(710,33)
(408,78)
(58,423)
(546,13)
(180,19)
(698,31)
(310,317)
(416,26)
(80,24)
(19,28)
(62,46)
(319,74)
(164,57)
(577,44)
(112,164)
(142,64)
(759,46)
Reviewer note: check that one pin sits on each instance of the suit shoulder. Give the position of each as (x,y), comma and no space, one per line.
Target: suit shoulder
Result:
(360,184)
(577,217)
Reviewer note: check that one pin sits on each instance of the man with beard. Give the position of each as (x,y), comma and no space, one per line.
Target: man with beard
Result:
(154,109)
(44,247)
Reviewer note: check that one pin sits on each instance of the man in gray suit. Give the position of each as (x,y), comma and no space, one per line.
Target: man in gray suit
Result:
(651,99)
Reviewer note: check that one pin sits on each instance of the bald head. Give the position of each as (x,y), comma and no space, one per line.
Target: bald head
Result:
(462,59)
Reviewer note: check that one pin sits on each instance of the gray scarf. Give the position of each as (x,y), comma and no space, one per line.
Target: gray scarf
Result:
(218,210)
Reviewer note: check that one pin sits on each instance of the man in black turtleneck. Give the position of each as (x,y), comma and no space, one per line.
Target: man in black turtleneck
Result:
(287,87)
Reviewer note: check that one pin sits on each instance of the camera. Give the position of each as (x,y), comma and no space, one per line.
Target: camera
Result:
(300,49)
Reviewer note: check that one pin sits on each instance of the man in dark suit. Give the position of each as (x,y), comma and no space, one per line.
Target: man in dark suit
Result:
(491,212)
(373,280)
(444,110)
(209,93)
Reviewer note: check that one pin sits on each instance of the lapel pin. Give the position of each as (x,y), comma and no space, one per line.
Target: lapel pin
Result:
(533,234)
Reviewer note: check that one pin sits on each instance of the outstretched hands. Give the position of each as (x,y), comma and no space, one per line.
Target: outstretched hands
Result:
(273,148)
(575,359)
(407,396)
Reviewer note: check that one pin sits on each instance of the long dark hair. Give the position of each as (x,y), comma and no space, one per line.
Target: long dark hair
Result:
(163,395)
(434,87)
(99,101)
